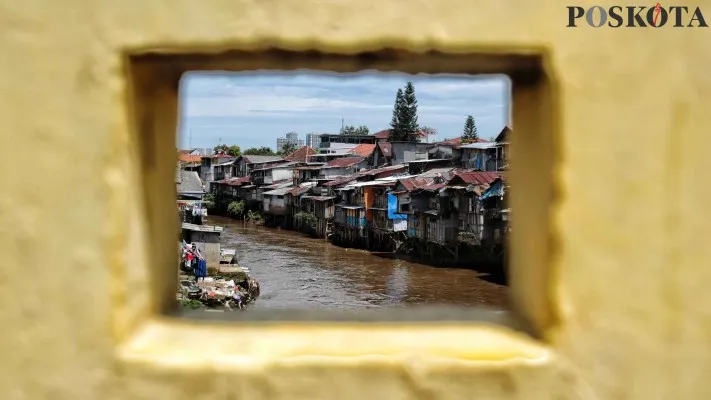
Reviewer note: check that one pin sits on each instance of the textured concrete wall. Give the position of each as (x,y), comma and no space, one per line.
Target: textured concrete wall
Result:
(615,287)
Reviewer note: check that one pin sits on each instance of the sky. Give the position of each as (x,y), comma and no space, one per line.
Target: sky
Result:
(253,109)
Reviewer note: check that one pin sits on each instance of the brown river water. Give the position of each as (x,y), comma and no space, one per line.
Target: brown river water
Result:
(299,272)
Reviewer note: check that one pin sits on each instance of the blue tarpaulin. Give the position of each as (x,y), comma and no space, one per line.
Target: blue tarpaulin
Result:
(392,208)
(497,189)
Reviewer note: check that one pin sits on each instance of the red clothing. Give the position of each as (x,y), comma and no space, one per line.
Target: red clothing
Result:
(190,256)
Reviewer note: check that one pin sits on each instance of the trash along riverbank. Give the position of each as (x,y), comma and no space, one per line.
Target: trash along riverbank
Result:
(228,290)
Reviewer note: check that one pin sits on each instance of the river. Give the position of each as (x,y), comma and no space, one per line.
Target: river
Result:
(298,272)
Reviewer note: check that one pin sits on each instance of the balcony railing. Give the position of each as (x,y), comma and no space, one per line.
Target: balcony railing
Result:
(381,201)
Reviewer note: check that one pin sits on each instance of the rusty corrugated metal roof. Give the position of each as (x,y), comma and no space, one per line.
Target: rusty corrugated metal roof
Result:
(411,184)
(301,155)
(344,162)
(476,177)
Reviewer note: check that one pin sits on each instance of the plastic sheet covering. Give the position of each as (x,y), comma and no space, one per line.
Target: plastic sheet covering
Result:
(497,189)
(392,208)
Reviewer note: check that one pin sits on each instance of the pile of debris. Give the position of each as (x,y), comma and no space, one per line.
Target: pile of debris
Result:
(224,293)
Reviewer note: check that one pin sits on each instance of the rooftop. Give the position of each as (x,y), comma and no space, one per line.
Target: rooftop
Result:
(301,155)
(344,162)
(188,182)
(386,148)
(251,159)
(363,150)
(476,177)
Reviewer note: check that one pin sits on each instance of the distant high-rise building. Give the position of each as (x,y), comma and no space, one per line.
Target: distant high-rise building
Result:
(291,137)
(313,140)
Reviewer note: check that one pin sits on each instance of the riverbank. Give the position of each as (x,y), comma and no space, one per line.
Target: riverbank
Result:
(489,260)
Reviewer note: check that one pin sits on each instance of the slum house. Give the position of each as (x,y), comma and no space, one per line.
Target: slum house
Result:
(273,173)
(413,206)
(206,239)
(214,165)
(465,188)
(257,192)
(351,215)
(383,154)
(365,150)
(417,167)
(429,214)
(502,149)
(188,185)
(479,156)
(292,202)
(448,150)
(308,172)
(404,152)
(244,165)
(342,167)
(301,155)
(496,214)
(231,187)
(349,223)
(323,210)
(273,204)
(440,220)
(373,195)
(189,161)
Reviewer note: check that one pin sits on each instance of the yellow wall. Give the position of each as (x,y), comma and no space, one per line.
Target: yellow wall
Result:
(612,278)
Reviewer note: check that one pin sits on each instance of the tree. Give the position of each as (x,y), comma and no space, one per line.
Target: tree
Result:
(259,151)
(403,125)
(396,128)
(220,149)
(408,117)
(352,130)
(287,149)
(469,134)
(234,150)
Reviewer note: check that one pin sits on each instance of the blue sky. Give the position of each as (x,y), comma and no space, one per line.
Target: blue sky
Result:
(253,109)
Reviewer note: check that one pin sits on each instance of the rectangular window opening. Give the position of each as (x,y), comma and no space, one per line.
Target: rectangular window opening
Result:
(289,172)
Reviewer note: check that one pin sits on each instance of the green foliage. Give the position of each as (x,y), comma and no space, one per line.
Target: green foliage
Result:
(233,150)
(352,130)
(220,148)
(409,113)
(193,304)
(259,151)
(403,125)
(469,134)
(209,201)
(287,149)
(396,128)
(254,216)
(236,208)
(306,218)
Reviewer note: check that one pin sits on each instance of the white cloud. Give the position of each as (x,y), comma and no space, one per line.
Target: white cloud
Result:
(264,103)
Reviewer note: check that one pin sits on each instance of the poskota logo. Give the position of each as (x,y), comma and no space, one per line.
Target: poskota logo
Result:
(655,16)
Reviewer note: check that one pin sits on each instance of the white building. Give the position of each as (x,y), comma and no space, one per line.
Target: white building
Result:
(291,137)
(313,140)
